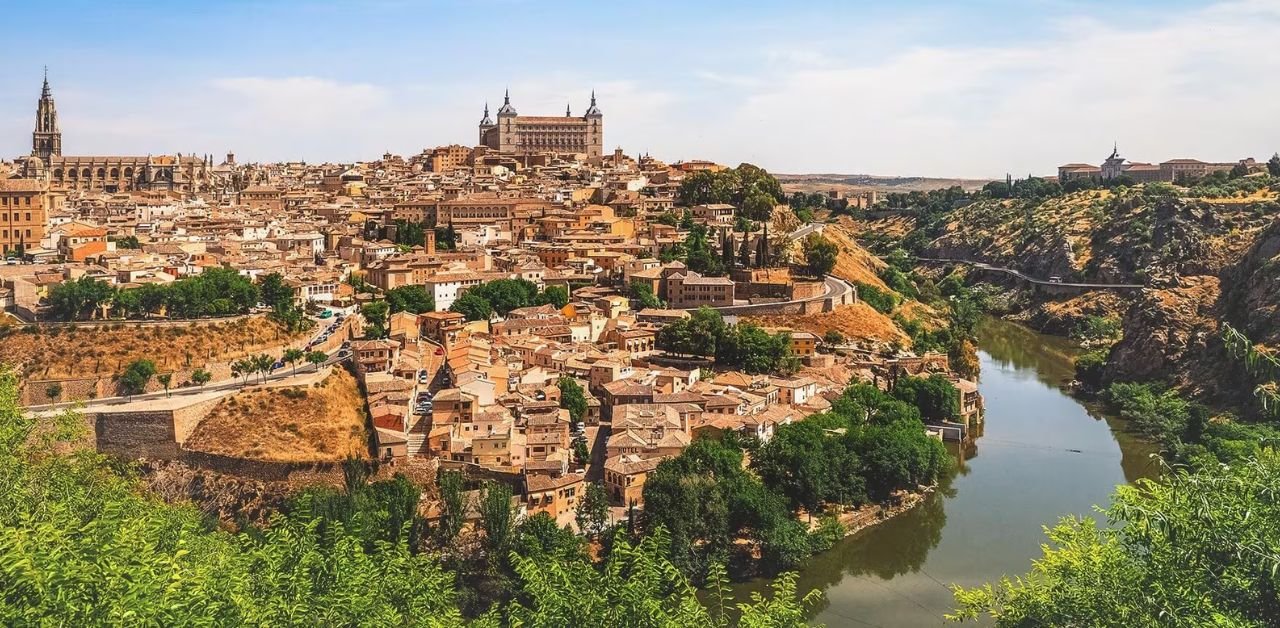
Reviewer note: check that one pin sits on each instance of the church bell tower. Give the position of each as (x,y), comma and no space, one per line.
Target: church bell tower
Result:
(46,141)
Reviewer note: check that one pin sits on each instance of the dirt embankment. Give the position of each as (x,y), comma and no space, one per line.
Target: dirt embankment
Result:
(855,263)
(858,321)
(321,423)
(56,352)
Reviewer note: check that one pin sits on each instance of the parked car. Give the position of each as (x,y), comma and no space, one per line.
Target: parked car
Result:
(1055,279)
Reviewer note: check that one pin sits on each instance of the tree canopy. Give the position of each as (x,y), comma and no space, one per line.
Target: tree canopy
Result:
(500,296)
(414,299)
(1196,548)
(820,255)
(731,185)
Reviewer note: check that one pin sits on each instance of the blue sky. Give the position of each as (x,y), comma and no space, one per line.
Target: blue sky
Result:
(921,88)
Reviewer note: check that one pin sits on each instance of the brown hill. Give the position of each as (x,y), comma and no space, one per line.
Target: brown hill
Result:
(321,423)
(63,352)
(857,321)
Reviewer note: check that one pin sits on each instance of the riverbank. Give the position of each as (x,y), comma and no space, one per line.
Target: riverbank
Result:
(870,515)
(1044,454)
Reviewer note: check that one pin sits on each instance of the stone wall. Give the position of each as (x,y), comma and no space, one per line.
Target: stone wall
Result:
(148,433)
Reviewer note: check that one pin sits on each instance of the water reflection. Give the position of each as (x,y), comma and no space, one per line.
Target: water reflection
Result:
(1044,455)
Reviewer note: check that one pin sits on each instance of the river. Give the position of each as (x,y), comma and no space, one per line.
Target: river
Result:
(1043,455)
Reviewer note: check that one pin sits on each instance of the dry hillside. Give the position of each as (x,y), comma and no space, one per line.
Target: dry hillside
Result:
(855,263)
(321,423)
(857,321)
(58,352)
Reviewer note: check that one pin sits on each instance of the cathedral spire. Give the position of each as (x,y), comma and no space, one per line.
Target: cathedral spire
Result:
(46,140)
(486,120)
(566,111)
(593,110)
(507,109)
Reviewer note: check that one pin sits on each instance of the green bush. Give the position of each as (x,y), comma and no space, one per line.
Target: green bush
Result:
(881,301)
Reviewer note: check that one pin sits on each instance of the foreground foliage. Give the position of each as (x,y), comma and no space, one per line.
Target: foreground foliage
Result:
(1199,548)
(82,545)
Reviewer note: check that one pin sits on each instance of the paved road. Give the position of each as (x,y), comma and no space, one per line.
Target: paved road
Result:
(835,288)
(803,232)
(231,384)
(1020,275)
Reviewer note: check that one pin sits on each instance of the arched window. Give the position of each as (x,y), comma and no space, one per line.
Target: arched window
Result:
(128,173)
(57,173)
(102,173)
(115,173)
(85,173)
(73,173)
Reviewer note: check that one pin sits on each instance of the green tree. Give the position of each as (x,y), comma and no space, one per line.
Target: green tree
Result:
(317,358)
(127,304)
(1195,548)
(473,306)
(937,398)
(261,364)
(53,391)
(573,399)
(593,510)
(275,292)
(758,206)
(880,300)
(452,506)
(749,347)
(696,335)
(1089,368)
(200,377)
(446,238)
(165,379)
(134,378)
(642,293)
(820,255)
(1273,165)
(539,537)
(293,356)
(640,586)
(581,454)
(833,337)
(375,317)
(242,368)
(557,296)
(497,518)
(413,299)
(79,298)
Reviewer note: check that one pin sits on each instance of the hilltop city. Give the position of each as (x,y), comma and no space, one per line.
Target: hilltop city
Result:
(532,308)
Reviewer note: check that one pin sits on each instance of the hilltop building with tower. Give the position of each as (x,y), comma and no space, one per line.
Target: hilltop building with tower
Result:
(106,173)
(526,135)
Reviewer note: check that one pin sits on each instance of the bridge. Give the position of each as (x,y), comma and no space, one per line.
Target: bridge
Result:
(1040,284)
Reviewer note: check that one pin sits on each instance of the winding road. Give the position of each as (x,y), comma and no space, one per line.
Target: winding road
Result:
(1029,279)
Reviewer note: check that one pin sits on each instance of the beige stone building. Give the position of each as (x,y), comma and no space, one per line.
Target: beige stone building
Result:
(24,208)
(524,135)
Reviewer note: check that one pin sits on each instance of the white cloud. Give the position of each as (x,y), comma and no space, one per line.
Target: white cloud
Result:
(300,103)
(1196,85)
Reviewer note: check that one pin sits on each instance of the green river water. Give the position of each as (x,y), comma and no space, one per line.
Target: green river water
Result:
(1043,455)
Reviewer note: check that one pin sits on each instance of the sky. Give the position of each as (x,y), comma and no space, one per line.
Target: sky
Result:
(922,88)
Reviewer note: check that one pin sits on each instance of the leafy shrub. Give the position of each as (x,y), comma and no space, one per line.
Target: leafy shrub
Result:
(878,299)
